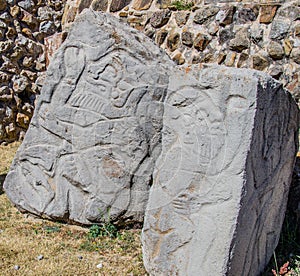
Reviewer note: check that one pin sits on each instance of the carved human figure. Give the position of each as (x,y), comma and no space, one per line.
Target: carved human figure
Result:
(101,113)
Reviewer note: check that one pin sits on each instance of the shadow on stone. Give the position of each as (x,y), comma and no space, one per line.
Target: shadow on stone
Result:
(2,178)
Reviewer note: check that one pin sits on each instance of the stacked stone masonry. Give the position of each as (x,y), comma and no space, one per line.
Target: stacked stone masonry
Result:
(260,34)
(25,26)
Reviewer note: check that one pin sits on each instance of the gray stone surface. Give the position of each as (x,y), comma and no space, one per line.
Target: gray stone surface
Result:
(92,143)
(221,183)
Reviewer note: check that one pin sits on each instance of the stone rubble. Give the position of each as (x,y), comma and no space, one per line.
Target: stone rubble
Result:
(24,27)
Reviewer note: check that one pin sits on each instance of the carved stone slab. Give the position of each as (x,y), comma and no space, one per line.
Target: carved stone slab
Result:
(221,183)
(90,151)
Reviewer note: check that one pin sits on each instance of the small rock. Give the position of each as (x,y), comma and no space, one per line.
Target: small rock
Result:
(267,13)
(3,25)
(213,28)
(279,29)
(160,18)
(230,59)
(187,38)
(225,16)
(221,56)
(99,5)
(141,4)
(27,5)
(201,41)
(45,13)
(30,20)
(10,67)
(34,48)
(179,59)
(242,61)
(11,33)
(161,36)
(207,58)
(11,2)
(135,20)
(149,31)
(27,61)
(240,42)
(288,46)
(6,46)
(39,36)
(291,12)
(17,26)
(1,231)
(17,267)
(100,265)
(15,11)
(5,17)
(20,83)
(205,13)
(4,90)
(40,66)
(80,257)
(295,55)
(256,33)
(3,5)
(47,27)
(275,71)
(32,76)
(40,257)
(275,50)
(225,35)
(17,53)
(181,17)
(123,14)
(246,15)
(173,41)
(259,62)
(117,5)
(27,32)
(4,78)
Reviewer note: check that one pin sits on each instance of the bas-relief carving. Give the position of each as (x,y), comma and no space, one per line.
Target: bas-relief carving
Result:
(96,128)
(200,176)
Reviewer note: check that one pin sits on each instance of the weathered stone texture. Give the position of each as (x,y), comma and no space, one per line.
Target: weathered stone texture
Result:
(117,5)
(24,26)
(90,150)
(221,182)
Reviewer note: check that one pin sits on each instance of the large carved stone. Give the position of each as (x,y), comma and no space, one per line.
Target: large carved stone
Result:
(221,183)
(90,150)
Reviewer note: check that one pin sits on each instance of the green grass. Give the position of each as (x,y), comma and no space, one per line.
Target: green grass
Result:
(182,5)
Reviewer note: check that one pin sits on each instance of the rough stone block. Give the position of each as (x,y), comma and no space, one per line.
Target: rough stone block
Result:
(90,150)
(221,183)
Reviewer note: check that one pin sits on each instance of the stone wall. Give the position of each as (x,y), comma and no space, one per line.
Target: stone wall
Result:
(260,34)
(24,28)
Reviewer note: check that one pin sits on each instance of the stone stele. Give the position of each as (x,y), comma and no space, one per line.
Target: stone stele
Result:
(89,153)
(221,183)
